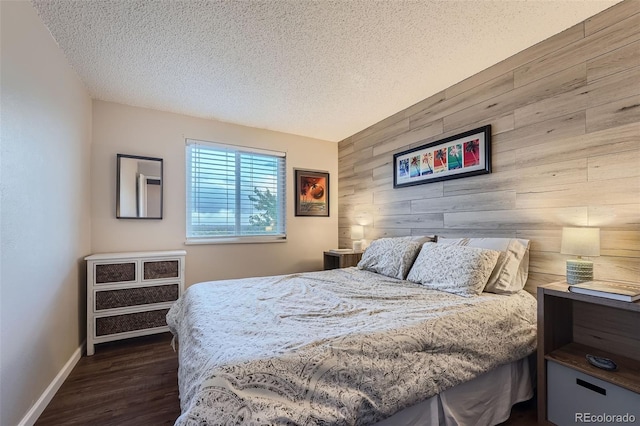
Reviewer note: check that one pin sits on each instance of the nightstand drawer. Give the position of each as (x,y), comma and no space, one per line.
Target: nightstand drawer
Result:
(137,296)
(572,393)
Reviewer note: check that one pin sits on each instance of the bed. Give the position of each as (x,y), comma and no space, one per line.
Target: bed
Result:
(376,344)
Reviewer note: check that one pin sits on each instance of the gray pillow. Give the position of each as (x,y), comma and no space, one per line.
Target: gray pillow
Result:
(392,257)
(512,268)
(454,269)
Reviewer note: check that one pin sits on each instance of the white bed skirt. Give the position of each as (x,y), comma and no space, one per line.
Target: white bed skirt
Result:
(485,400)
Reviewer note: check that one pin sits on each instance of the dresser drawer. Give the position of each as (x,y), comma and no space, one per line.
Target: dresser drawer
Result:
(572,395)
(160,269)
(111,299)
(131,322)
(115,272)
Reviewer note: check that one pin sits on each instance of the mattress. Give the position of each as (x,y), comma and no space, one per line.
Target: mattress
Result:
(344,346)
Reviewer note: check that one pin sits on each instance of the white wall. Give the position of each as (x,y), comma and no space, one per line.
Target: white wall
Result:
(45,220)
(138,131)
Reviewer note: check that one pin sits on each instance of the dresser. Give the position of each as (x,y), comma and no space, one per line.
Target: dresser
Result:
(129,294)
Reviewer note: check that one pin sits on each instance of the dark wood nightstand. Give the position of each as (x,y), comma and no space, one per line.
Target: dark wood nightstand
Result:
(570,326)
(335,260)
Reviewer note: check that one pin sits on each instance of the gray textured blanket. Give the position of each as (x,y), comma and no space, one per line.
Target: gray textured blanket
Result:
(339,347)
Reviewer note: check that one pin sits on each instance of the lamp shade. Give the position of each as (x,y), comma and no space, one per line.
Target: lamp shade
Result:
(581,241)
(357,232)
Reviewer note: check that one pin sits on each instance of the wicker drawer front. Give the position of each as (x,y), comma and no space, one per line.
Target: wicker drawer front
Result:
(154,270)
(131,322)
(111,299)
(115,272)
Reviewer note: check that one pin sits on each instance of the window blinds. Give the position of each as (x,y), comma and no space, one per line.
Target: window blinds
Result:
(234,192)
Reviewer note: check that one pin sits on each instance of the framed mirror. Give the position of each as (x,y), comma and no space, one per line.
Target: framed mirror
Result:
(139,187)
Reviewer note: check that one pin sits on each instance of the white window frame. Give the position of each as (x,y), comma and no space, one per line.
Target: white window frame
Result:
(234,239)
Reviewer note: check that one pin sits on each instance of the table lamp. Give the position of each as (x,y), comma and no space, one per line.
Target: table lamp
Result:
(357,235)
(580,242)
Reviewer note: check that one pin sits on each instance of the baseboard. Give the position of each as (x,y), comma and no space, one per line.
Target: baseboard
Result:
(38,408)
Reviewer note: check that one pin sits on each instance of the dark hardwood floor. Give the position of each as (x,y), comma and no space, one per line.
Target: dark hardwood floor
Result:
(129,382)
(523,414)
(134,382)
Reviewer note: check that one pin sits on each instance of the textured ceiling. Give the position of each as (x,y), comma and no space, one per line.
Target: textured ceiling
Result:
(324,69)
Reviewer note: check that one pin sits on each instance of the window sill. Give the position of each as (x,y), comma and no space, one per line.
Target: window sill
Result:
(237,240)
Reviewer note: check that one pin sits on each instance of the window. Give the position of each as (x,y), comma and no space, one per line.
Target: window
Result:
(234,194)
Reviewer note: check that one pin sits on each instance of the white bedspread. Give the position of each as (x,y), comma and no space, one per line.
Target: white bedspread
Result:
(339,347)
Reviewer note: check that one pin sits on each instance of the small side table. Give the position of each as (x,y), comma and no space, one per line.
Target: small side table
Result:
(570,326)
(335,260)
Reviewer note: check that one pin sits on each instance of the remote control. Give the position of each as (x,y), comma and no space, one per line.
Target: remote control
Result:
(600,362)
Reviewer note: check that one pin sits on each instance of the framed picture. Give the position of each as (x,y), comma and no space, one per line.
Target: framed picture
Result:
(312,193)
(466,154)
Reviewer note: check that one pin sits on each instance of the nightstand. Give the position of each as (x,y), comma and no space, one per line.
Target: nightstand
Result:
(570,326)
(335,260)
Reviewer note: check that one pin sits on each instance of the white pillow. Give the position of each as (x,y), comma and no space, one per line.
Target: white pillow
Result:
(512,268)
(392,257)
(453,268)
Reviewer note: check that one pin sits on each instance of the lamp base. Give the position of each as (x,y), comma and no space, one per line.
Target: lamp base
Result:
(357,245)
(579,271)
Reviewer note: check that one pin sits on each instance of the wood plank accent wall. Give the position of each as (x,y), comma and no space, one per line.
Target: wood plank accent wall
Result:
(566,152)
